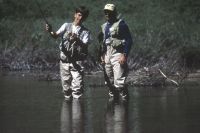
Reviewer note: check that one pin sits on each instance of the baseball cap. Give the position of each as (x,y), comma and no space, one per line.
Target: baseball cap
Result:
(110,7)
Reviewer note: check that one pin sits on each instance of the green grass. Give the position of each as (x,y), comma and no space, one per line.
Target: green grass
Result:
(157,26)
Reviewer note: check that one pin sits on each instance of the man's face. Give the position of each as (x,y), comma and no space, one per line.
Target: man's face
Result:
(109,15)
(78,18)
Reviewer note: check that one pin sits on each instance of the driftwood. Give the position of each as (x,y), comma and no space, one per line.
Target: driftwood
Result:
(153,76)
(171,80)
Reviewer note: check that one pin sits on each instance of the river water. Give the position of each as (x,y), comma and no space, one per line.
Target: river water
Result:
(31,106)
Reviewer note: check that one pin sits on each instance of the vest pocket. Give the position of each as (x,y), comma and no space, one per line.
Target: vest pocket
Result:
(116,43)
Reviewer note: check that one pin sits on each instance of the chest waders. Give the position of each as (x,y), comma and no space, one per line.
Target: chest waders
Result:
(71,69)
(115,73)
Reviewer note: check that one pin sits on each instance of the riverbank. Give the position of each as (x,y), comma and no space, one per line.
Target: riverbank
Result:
(172,67)
(139,78)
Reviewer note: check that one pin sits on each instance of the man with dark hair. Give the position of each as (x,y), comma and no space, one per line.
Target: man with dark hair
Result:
(116,45)
(73,50)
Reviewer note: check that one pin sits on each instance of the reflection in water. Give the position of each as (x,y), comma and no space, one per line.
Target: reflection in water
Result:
(157,110)
(116,117)
(150,110)
(72,117)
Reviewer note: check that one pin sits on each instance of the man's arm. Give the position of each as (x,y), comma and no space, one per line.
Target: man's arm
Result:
(51,32)
(126,35)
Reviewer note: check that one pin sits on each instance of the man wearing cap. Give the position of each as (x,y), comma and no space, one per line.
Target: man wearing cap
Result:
(73,50)
(116,45)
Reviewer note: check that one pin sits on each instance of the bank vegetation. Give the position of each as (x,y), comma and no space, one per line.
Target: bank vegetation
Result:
(166,36)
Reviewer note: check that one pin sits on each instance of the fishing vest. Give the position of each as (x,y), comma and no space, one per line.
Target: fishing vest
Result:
(72,51)
(114,40)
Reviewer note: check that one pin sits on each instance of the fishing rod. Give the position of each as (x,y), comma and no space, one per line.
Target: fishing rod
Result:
(42,13)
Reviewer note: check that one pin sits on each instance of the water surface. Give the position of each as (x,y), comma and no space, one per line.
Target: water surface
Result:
(31,106)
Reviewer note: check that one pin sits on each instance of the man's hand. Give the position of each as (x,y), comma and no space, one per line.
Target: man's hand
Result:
(48,27)
(73,37)
(122,59)
(100,37)
(102,60)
